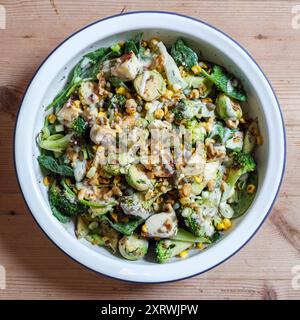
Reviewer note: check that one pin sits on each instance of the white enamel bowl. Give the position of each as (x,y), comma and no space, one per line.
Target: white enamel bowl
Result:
(214,46)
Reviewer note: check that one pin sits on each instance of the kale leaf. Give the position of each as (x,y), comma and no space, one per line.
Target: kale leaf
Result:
(226,83)
(52,165)
(183,55)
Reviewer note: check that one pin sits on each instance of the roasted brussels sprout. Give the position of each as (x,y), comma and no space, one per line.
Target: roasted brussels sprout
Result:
(228,108)
(137,179)
(133,247)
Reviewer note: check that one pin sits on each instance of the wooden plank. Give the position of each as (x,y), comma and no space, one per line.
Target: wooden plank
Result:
(36,268)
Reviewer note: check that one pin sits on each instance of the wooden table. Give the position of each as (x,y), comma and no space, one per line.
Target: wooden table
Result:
(35,268)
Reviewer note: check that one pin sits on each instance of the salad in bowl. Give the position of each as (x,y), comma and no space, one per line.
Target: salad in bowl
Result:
(148,146)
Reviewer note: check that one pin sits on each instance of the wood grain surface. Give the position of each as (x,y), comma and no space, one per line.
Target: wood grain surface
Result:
(35,268)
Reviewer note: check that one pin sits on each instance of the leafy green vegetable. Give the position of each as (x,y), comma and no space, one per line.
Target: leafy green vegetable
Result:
(56,142)
(183,235)
(52,165)
(124,228)
(134,45)
(64,200)
(58,215)
(226,83)
(183,55)
(85,70)
(243,199)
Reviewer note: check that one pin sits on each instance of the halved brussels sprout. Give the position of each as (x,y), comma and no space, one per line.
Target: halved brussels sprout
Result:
(250,137)
(228,108)
(149,85)
(133,247)
(161,225)
(82,229)
(201,83)
(235,142)
(137,179)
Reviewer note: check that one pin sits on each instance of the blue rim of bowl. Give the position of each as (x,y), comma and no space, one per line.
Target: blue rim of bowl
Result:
(245,51)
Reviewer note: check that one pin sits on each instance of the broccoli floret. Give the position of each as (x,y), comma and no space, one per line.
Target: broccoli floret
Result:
(80,127)
(242,163)
(192,222)
(65,201)
(186,109)
(56,142)
(118,100)
(166,249)
(200,222)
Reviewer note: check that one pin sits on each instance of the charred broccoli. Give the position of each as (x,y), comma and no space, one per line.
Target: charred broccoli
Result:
(166,249)
(242,163)
(64,200)
(80,127)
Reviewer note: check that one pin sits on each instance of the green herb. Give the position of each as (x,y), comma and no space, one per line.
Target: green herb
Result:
(134,45)
(243,199)
(226,83)
(183,55)
(52,165)
(124,228)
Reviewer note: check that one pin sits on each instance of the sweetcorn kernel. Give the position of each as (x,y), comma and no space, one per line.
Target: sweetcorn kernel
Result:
(114,216)
(200,245)
(147,106)
(159,113)
(251,188)
(117,180)
(183,254)
(184,200)
(220,226)
(153,43)
(76,103)
(101,114)
(144,228)
(121,90)
(196,69)
(46,181)
(52,118)
(182,71)
(168,94)
(227,223)
(198,179)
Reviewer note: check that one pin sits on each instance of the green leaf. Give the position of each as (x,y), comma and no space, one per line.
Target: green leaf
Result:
(183,235)
(124,228)
(58,215)
(225,82)
(134,45)
(52,165)
(243,199)
(183,55)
